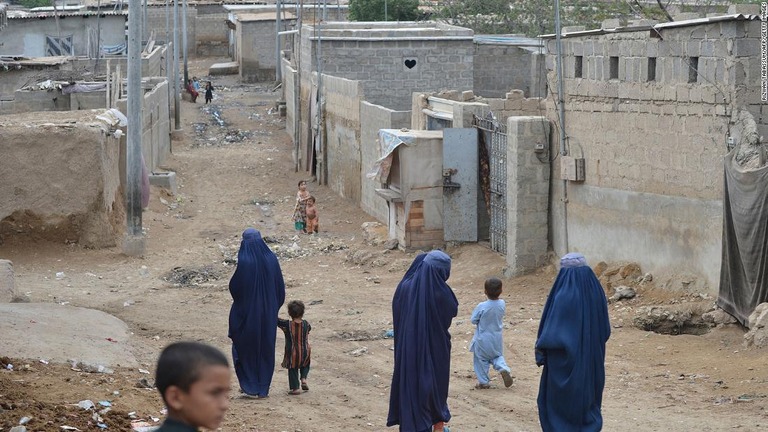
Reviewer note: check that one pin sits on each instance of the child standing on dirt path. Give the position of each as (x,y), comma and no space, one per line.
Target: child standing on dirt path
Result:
(487,344)
(313,220)
(300,210)
(194,382)
(297,348)
(208,92)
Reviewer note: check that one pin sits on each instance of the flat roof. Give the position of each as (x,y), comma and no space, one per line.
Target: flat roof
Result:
(265,16)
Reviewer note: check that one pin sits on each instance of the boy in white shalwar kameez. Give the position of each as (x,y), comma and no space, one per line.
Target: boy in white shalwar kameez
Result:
(487,342)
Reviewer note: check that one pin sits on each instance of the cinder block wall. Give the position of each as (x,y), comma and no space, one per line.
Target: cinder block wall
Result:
(527,194)
(653,147)
(342,136)
(211,31)
(500,68)
(156,126)
(156,21)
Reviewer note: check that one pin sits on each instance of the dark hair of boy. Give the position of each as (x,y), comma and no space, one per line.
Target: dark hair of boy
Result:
(296,309)
(301,182)
(181,363)
(311,199)
(493,288)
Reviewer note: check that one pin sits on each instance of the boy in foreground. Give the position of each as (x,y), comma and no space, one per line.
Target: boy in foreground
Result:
(487,343)
(194,382)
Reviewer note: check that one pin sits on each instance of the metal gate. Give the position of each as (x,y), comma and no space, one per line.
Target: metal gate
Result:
(495,139)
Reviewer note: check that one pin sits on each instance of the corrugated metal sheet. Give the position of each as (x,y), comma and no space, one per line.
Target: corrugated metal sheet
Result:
(661,26)
(44,15)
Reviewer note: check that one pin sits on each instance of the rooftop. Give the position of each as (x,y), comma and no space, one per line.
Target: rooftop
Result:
(657,27)
(389,31)
(264,16)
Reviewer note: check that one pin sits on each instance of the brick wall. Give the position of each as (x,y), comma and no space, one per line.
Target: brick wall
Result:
(256,50)
(654,145)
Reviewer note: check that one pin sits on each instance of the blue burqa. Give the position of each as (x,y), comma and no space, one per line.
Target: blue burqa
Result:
(571,346)
(422,310)
(258,291)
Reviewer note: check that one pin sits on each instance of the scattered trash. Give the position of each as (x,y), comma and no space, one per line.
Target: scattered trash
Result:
(189,277)
(144,271)
(110,340)
(86,404)
(623,292)
(358,352)
(144,383)
(24,420)
(9,367)
(389,334)
(101,425)
(215,112)
(142,426)
(315,302)
(144,371)
(128,303)
(237,135)
(18,429)
(43,361)
(105,403)
(60,275)
(79,366)
(68,428)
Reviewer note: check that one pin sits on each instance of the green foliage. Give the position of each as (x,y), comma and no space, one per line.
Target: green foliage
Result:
(373,10)
(32,3)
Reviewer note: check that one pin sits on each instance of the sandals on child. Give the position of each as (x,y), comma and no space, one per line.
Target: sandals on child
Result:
(294,392)
(507,377)
(482,386)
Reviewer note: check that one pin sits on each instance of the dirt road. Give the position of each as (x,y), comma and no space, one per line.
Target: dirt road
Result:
(241,175)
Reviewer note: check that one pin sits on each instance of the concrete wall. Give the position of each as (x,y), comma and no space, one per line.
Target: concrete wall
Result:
(653,149)
(38,101)
(156,126)
(342,136)
(60,181)
(372,118)
(527,194)
(88,101)
(290,87)
(375,54)
(255,50)
(156,21)
(27,36)
(211,31)
(501,68)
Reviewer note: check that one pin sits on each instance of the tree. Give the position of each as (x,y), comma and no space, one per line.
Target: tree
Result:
(374,10)
(32,3)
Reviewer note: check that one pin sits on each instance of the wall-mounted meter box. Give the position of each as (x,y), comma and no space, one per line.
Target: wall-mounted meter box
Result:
(572,169)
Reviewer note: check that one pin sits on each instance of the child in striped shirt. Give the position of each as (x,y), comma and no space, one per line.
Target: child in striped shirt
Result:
(297,348)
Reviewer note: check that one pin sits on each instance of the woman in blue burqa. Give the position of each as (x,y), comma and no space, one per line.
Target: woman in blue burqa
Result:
(422,309)
(573,331)
(258,291)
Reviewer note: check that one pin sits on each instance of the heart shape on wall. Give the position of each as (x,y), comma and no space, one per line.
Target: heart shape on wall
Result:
(410,63)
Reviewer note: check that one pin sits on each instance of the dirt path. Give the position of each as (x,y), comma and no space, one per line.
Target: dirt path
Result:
(654,382)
